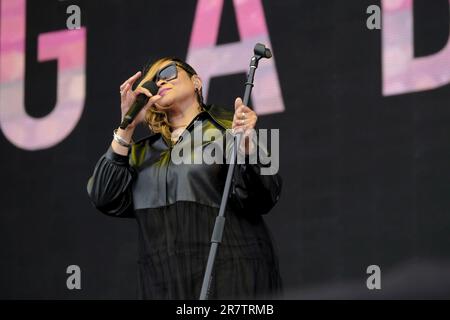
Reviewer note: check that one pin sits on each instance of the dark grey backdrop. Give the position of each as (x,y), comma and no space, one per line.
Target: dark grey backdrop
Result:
(366,177)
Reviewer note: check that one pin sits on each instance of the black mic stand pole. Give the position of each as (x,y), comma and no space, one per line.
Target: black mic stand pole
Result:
(260,51)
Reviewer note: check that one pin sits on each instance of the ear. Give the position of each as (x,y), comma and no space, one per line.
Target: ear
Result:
(197,82)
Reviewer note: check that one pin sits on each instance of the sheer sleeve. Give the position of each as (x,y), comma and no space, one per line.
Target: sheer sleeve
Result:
(109,188)
(252,192)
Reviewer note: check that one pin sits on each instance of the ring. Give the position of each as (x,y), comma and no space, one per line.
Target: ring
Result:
(242,121)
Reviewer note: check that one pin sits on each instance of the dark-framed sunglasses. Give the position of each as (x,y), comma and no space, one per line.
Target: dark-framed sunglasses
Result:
(167,73)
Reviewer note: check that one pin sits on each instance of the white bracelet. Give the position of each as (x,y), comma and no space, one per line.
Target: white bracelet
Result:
(121,140)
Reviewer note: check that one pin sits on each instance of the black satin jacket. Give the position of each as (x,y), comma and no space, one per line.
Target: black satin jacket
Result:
(148,178)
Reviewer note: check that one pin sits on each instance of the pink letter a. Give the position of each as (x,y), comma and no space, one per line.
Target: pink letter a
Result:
(218,60)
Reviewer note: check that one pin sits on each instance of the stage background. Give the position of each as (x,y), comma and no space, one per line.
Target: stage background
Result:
(366,176)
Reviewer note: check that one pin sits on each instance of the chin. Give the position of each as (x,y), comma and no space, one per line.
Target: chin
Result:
(165,102)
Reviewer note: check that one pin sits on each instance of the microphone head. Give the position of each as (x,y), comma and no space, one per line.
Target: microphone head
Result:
(261,50)
(151,86)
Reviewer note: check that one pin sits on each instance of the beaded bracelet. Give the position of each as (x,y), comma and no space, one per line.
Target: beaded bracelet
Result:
(121,140)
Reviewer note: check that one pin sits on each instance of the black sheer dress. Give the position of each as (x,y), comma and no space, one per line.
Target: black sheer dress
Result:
(175,206)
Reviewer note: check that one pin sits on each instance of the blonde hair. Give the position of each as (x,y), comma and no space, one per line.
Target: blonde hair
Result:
(156,118)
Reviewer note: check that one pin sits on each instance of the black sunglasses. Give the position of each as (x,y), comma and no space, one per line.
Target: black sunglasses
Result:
(169,72)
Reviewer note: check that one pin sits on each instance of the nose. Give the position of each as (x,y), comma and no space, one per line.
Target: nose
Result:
(160,83)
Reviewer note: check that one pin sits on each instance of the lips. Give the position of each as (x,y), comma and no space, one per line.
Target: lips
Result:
(163,91)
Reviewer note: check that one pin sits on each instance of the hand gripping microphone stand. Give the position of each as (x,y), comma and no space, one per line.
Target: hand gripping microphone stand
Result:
(260,51)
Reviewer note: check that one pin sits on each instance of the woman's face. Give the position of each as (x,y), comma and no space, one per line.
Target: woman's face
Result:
(176,91)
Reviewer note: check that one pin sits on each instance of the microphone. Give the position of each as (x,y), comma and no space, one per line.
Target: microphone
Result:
(141,101)
(262,51)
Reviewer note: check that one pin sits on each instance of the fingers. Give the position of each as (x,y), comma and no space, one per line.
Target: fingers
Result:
(144,91)
(130,80)
(238,103)
(124,90)
(248,141)
(244,117)
(152,101)
(243,112)
(244,124)
(244,120)
(240,108)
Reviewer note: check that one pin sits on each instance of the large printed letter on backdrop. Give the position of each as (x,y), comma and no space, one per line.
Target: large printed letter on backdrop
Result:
(68,47)
(402,73)
(218,60)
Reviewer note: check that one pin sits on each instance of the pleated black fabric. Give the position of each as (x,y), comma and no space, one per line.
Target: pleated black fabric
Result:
(174,246)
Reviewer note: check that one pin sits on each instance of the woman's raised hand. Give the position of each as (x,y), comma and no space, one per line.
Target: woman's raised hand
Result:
(128,97)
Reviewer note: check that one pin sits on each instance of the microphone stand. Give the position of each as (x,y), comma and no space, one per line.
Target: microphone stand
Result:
(260,51)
